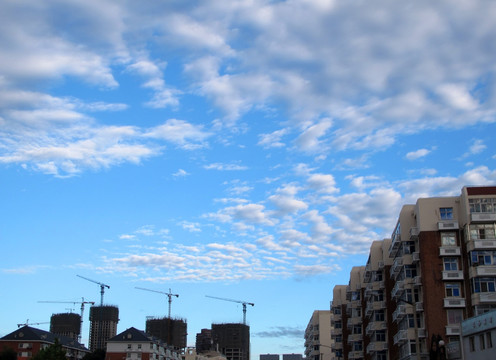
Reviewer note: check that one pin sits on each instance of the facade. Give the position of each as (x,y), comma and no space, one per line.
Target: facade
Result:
(292,356)
(134,344)
(232,340)
(318,336)
(28,341)
(171,331)
(437,270)
(103,325)
(66,324)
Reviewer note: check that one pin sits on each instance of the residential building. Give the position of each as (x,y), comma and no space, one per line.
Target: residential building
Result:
(28,341)
(66,324)
(292,357)
(318,343)
(437,270)
(269,357)
(339,321)
(134,344)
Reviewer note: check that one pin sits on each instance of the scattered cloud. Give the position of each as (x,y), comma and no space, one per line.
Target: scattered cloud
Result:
(420,153)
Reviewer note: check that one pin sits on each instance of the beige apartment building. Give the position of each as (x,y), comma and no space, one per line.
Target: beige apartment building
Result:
(438,269)
(318,344)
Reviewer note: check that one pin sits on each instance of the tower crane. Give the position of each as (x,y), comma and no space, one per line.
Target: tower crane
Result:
(82,302)
(102,287)
(28,323)
(236,301)
(169,294)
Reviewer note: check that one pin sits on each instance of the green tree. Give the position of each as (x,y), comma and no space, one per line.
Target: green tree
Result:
(8,354)
(98,354)
(52,352)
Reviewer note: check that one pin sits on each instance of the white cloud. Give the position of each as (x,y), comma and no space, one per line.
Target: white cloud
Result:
(181,133)
(417,154)
(225,167)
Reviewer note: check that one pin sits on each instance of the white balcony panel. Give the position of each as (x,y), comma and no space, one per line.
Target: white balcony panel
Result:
(453,275)
(486,270)
(449,251)
(484,244)
(454,302)
(447,225)
(482,217)
(453,330)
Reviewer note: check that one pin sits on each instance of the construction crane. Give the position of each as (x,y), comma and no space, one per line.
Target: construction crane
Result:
(82,302)
(169,294)
(28,323)
(236,301)
(102,287)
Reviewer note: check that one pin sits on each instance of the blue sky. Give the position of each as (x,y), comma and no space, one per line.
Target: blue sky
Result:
(249,150)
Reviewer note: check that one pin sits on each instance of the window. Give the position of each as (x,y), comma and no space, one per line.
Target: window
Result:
(482,232)
(355,295)
(379,296)
(471,343)
(139,346)
(357,346)
(408,247)
(413,347)
(357,329)
(484,285)
(336,310)
(483,258)
(378,276)
(446,213)
(338,325)
(129,346)
(379,315)
(411,271)
(450,263)
(338,338)
(452,289)
(455,316)
(380,335)
(482,341)
(448,239)
(487,205)
(489,340)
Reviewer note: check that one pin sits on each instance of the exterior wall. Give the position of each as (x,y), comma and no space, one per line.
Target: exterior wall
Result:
(338,321)
(318,336)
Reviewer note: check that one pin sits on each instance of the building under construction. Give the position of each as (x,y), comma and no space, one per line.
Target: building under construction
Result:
(103,325)
(232,340)
(204,342)
(171,331)
(66,324)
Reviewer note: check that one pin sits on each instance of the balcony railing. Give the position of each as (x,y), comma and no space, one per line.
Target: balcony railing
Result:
(447,225)
(449,251)
(453,275)
(482,217)
(454,302)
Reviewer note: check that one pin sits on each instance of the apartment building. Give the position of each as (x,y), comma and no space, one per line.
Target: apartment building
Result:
(438,268)
(339,322)
(318,344)
(134,344)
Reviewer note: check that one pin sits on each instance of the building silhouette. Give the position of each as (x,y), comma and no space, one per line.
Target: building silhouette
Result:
(232,340)
(103,325)
(171,331)
(66,324)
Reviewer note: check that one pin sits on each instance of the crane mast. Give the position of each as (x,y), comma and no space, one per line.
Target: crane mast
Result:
(244,303)
(102,287)
(169,295)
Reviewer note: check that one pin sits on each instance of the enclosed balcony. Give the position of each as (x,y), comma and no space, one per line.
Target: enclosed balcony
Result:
(447,225)
(483,217)
(454,302)
(449,251)
(453,275)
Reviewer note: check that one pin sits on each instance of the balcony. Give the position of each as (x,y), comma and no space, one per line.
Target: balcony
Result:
(447,225)
(354,338)
(375,326)
(482,244)
(483,217)
(398,289)
(397,264)
(416,257)
(419,306)
(380,264)
(453,275)
(417,280)
(377,346)
(335,332)
(399,313)
(414,233)
(449,251)
(483,270)
(454,302)
(487,297)
(453,330)
(421,333)
(400,337)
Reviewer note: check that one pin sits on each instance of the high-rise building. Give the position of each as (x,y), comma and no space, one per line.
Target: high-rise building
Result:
(66,324)
(103,325)
(232,340)
(438,269)
(318,336)
(269,357)
(171,331)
